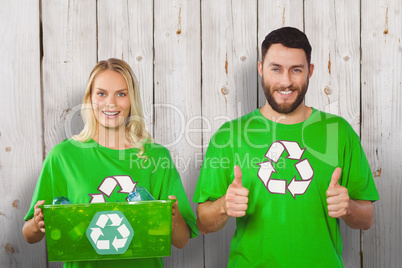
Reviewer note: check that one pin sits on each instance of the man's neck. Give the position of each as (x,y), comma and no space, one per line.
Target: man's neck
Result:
(297,116)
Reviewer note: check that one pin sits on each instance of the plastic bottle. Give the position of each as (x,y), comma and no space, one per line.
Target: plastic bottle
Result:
(140,194)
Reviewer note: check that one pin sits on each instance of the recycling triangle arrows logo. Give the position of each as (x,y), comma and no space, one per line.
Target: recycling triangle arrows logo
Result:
(108,186)
(110,232)
(303,167)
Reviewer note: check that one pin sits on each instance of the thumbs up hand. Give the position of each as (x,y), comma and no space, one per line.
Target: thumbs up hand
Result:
(337,196)
(236,197)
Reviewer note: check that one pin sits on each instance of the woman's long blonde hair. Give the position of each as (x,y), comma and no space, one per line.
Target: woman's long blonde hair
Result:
(135,125)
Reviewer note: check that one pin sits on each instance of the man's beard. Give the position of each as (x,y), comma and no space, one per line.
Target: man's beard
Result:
(285,108)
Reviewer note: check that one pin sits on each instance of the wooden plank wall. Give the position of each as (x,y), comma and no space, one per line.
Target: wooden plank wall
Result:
(381,99)
(21,144)
(196,62)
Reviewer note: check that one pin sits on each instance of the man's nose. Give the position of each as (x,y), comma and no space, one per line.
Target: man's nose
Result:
(285,80)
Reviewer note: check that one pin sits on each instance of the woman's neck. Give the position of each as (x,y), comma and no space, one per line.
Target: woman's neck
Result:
(112,138)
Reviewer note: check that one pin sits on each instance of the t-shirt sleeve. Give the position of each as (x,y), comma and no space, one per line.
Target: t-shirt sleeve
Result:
(43,189)
(214,181)
(356,173)
(51,182)
(175,187)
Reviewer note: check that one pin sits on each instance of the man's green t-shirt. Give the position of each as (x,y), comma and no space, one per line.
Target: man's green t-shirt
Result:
(287,169)
(79,170)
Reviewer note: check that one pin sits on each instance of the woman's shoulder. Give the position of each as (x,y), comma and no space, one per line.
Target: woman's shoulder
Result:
(67,147)
(155,149)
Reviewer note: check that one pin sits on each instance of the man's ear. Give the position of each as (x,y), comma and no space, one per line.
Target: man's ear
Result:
(310,70)
(260,68)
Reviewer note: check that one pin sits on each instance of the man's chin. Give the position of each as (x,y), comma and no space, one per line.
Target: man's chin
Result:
(282,108)
(284,111)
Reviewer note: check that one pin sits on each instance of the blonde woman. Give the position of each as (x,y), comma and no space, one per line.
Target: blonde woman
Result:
(114,142)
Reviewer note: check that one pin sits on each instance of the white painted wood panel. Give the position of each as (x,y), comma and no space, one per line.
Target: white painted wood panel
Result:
(273,15)
(69,54)
(229,85)
(177,83)
(113,29)
(381,82)
(334,34)
(21,150)
(347,61)
(125,31)
(243,67)
(140,54)
(333,30)
(320,28)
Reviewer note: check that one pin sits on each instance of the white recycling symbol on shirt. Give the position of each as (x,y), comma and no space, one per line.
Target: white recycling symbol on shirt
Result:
(303,167)
(110,183)
(110,232)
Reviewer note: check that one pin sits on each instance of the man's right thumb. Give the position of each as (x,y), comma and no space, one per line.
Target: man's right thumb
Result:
(238,176)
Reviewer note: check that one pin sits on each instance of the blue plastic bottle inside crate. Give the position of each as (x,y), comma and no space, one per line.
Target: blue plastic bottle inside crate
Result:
(140,194)
(61,200)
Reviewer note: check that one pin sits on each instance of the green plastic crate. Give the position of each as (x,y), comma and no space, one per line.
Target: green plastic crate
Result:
(105,231)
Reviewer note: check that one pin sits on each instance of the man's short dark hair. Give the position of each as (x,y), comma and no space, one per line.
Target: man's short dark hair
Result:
(289,37)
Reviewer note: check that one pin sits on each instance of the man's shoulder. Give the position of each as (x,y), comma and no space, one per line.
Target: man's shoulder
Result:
(324,118)
(233,126)
(330,118)
(242,120)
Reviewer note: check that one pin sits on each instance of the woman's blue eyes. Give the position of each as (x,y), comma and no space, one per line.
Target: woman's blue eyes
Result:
(102,94)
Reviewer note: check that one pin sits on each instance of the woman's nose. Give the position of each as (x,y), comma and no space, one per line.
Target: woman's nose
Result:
(111,101)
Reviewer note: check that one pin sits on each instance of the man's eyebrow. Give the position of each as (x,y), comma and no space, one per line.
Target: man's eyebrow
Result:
(292,67)
(274,64)
(298,66)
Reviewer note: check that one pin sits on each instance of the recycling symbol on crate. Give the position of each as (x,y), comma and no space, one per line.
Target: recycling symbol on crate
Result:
(303,167)
(110,232)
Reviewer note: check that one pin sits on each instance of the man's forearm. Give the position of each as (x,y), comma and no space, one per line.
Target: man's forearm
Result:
(360,214)
(211,216)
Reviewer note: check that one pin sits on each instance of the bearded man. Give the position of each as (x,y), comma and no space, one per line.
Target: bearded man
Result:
(287,172)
